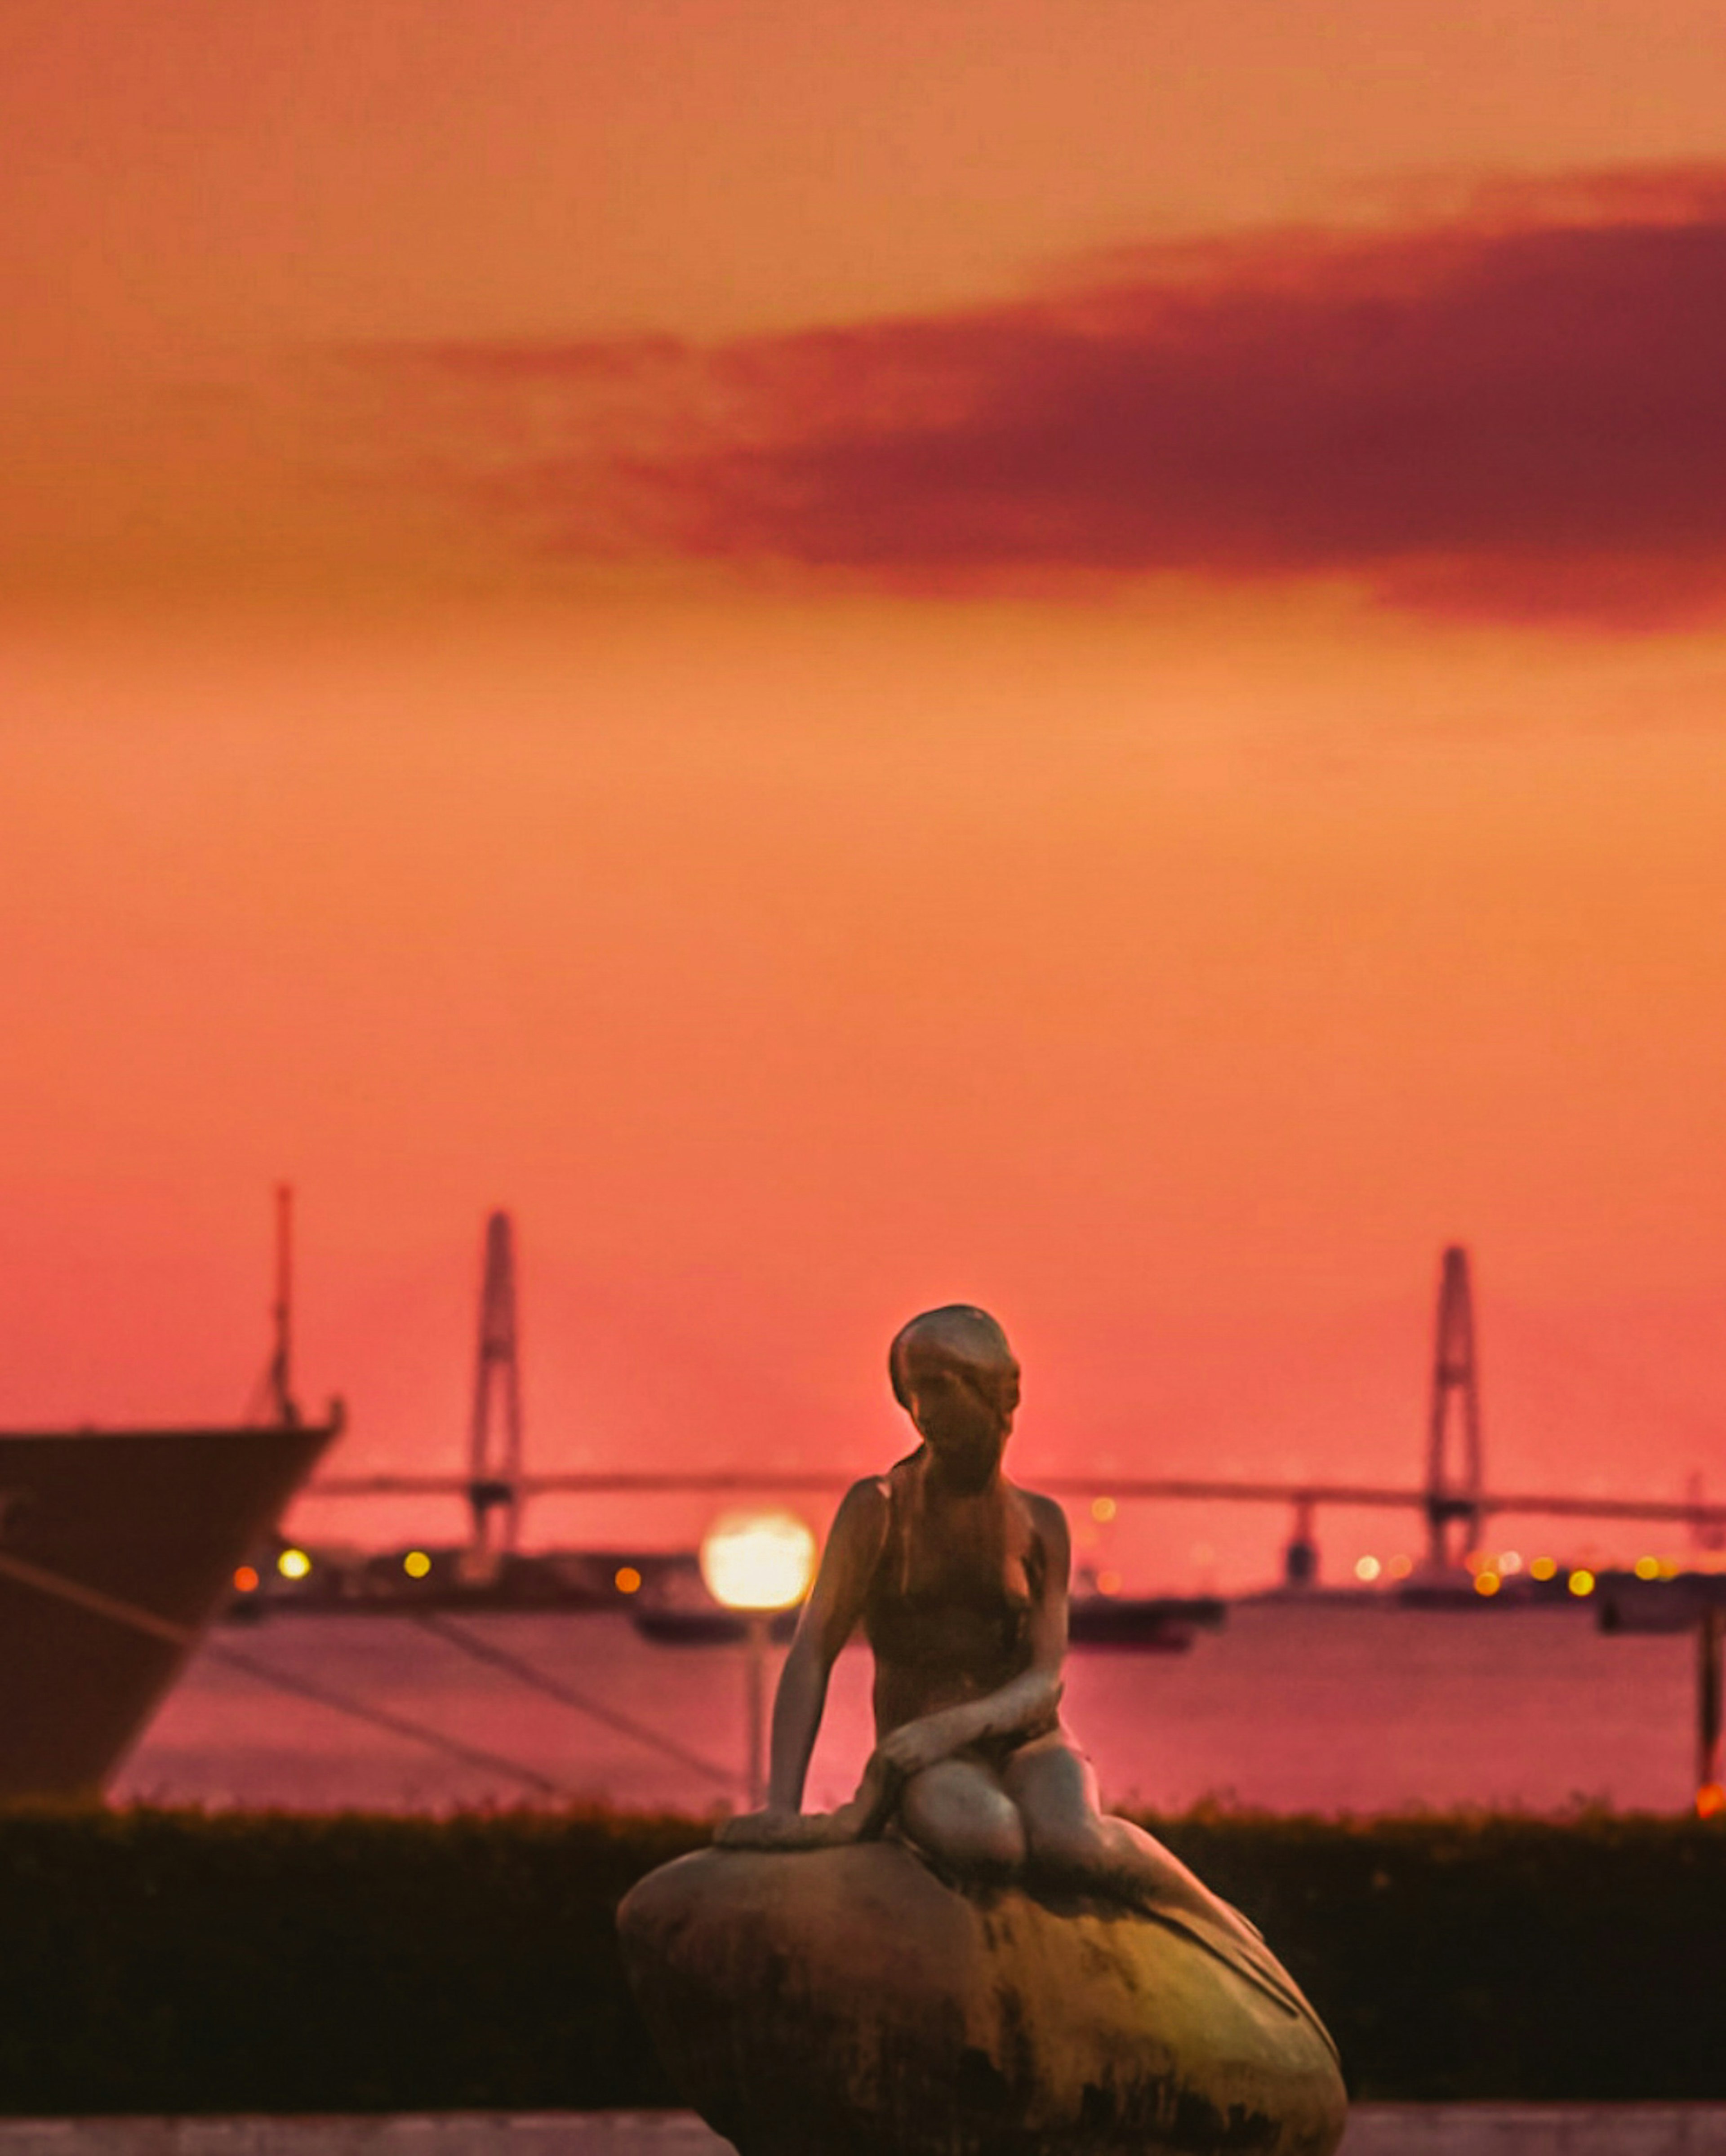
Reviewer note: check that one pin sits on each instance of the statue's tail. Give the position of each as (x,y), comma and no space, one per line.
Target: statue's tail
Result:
(1177,1897)
(1249,1957)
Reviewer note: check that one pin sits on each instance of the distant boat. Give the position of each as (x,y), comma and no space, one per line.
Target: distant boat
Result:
(1161,1624)
(677,1611)
(117,1549)
(1450,1593)
(707,1627)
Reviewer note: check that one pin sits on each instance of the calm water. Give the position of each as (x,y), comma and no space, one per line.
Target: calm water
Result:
(1305,1707)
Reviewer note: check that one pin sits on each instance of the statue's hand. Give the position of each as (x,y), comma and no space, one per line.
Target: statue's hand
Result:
(782,1829)
(770,1829)
(916,1745)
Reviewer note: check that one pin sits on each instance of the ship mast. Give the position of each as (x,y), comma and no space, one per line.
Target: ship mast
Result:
(275,1388)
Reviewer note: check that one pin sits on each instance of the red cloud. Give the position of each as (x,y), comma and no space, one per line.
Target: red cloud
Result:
(1520,414)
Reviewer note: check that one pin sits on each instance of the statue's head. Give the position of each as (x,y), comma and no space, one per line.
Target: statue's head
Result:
(954,1375)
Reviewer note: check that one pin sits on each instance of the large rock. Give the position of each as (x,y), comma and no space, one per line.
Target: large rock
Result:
(847,2002)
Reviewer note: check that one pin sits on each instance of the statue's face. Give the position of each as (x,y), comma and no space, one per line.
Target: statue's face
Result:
(956,1417)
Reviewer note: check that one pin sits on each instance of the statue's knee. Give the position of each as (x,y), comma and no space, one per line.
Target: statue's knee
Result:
(1005,1840)
(971,1830)
(994,1845)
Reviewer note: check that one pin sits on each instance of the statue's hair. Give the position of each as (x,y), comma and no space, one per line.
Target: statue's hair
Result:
(964,1334)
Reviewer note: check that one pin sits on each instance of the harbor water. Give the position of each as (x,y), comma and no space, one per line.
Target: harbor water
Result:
(1323,1704)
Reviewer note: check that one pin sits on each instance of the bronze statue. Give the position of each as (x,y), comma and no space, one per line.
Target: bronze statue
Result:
(959,1579)
(969,1956)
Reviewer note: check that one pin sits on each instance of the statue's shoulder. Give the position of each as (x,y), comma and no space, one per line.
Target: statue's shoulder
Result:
(876,1496)
(865,1512)
(1047,1517)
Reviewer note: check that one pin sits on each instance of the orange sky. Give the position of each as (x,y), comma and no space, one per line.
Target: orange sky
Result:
(793,936)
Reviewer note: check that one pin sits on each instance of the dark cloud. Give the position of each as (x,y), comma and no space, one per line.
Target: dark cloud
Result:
(1518,414)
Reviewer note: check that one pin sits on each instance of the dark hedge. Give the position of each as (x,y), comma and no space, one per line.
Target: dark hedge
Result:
(158,1961)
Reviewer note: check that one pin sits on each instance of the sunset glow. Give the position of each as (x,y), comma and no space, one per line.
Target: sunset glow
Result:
(1066,658)
(758,1560)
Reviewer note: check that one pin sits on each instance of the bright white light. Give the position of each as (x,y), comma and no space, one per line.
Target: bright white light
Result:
(293,1565)
(1367,1568)
(758,1560)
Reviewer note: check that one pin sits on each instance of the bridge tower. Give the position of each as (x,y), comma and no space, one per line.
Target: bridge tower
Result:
(493,1491)
(1300,1555)
(1452,1498)
(1705,1533)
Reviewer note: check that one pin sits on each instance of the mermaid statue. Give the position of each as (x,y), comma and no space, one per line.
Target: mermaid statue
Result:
(969,1958)
(959,1581)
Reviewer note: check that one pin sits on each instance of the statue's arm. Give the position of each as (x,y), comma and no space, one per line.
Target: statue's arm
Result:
(1028,1700)
(1032,1698)
(829,1616)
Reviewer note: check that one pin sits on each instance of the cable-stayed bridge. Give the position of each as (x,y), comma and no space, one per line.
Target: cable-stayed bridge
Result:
(1452,1498)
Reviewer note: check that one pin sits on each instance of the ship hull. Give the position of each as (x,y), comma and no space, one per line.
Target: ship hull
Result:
(117,1549)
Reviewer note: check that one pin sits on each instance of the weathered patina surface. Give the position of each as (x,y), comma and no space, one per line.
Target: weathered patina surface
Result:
(848,2002)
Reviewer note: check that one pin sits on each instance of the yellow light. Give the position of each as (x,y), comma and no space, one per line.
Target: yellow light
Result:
(758,1560)
(1710,1800)
(1401,1567)
(1108,1583)
(1544,1568)
(416,1564)
(1509,1562)
(1367,1568)
(246,1580)
(1103,1508)
(1486,1582)
(1582,1581)
(1647,1568)
(627,1580)
(293,1565)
